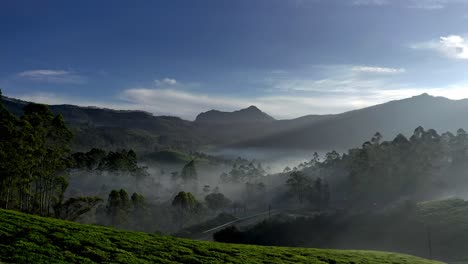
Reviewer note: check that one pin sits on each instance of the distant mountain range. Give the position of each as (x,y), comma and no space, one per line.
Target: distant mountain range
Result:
(252,128)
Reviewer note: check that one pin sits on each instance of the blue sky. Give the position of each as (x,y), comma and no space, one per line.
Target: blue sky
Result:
(288,57)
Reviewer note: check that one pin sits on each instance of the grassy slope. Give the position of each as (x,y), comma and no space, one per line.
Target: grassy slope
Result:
(448,212)
(32,239)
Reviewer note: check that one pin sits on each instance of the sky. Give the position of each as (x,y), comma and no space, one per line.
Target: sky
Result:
(178,57)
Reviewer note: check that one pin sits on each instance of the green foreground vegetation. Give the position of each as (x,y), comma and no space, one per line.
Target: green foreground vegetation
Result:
(33,239)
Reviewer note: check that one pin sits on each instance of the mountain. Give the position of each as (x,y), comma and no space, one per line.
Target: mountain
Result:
(224,128)
(350,129)
(252,128)
(117,129)
(248,115)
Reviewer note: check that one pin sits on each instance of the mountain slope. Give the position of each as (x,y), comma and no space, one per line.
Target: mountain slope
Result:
(250,127)
(349,129)
(32,239)
(117,129)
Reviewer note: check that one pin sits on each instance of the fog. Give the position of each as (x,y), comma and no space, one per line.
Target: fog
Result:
(275,160)
(383,189)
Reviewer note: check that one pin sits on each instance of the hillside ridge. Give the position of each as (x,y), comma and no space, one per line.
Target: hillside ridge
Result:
(252,128)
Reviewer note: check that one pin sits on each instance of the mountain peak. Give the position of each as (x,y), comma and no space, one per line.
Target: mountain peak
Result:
(252,108)
(423,95)
(250,114)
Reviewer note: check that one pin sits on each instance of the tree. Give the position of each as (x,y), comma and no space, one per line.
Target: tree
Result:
(42,146)
(10,158)
(376,138)
(89,160)
(185,201)
(319,195)
(217,201)
(298,184)
(75,207)
(185,206)
(189,171)
(34,163)
(117,208)
(138,201)
(244,171)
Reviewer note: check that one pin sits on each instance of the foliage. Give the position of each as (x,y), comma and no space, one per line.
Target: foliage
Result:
(124,212)
(381,172)
(122,161)
(243,171)
(217,201)
(33,159)
(75,207)
(185,201)
(88,160)
(118,206)
(299,184)
(189,172)
(32,239)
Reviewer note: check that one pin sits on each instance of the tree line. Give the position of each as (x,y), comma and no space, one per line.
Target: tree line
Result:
(34,152)
(381,172)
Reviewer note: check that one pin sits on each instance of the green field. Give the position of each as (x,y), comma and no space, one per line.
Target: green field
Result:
(32,239)
(449,212)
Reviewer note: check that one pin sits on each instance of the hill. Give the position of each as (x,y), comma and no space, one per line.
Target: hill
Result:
(32,239)
(248,115)
(252,128)
(117,129)
(350,129)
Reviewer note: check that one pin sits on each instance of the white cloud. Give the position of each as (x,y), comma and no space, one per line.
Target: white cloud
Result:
(384,70)
(342,88)
(453,46)
(429,4)
(418,4)
(338,79)
(52,76)
(165,82)
(370,2)
(327,85)
(189,104)
(282,106)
